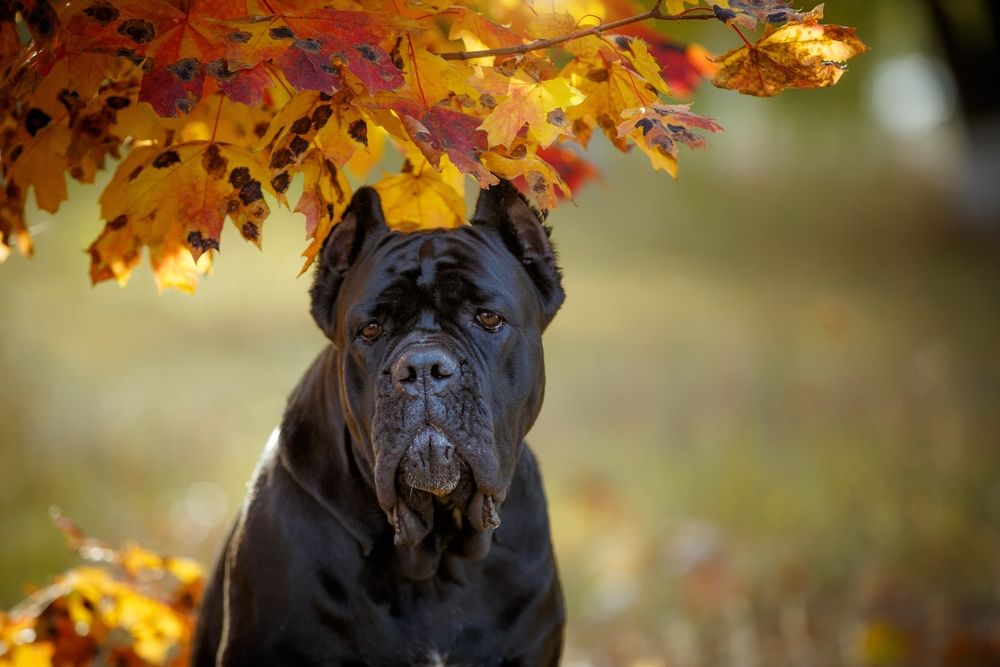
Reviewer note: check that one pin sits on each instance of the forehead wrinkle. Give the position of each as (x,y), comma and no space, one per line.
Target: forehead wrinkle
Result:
(428,263)
(424,262)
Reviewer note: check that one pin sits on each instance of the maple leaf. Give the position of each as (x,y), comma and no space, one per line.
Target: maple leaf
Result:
(303,43)
(637,54)
(313,120)
(539,105)
(325,195)
(478,32)
(796,55)
(33,146)
(658,129)
(609,88)
(178,46)
(419,197)
(431,79)
(440,132)
(540,180)
(683,67)
(548,26)
(175,200)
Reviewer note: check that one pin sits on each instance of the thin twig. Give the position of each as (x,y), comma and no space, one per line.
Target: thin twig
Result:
(537,44)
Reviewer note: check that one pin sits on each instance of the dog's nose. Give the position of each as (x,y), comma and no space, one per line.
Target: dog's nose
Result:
(427,365)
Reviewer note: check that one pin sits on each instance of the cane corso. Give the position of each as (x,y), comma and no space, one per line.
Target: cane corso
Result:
(397,518)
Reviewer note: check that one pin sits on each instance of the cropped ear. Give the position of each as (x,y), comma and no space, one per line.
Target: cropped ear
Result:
(502,208)
(363,220)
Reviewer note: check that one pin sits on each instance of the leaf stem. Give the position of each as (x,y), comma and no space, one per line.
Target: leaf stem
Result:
(740,33)
(654,13)
(416,70)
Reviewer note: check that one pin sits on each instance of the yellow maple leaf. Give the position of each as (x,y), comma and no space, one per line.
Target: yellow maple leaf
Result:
(636,52)
(541,105)
(432,79)
(419,197)
(478,32)
(362,162)
(796,55)
(610,88)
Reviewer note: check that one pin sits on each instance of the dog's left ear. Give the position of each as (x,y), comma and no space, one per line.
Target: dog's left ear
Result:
(502,208)
(363,221)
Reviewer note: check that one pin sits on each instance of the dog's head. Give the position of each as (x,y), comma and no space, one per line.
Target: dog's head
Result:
(438,336)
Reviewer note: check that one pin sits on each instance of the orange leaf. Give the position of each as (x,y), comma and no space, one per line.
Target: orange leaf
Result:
(796,55)
(179,47)
(325,195)
(175,200)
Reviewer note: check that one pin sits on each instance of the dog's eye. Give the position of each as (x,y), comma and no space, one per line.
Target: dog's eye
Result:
(489,320)
(370,331)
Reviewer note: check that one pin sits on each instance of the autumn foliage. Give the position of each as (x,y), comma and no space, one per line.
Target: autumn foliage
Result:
(126,606)
(206,109)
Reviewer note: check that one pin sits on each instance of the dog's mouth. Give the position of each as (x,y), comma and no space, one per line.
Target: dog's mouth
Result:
(432,464)
(433,482)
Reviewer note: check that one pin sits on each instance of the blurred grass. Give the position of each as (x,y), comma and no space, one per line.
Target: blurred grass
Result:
(770,432)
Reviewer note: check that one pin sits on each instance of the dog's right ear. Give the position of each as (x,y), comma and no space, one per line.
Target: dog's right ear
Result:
(363,221)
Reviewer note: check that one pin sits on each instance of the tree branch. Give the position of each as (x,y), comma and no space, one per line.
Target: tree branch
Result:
(596,30)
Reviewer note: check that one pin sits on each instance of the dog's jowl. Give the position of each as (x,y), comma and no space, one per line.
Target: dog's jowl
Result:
(397,517)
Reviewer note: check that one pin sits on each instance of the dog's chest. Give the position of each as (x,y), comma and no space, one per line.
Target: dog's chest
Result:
(435,659)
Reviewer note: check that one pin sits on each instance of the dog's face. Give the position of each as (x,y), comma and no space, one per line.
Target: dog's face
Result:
(439,347)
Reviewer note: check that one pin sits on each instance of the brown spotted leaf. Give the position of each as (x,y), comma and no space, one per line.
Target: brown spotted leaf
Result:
(658,129)
(178,48)
(538,179)
(440,132)
(330,124)
(325,195)
(609,88)
(175,200)
(537,106)
(796,55)
(313,47)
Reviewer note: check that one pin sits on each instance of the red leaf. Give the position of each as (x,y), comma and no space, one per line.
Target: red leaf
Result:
(174,44)
(311,46)
(441,130)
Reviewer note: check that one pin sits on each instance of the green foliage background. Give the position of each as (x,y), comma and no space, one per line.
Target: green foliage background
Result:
(770,433)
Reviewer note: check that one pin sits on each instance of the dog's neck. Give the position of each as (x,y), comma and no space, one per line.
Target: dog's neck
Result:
(338,475)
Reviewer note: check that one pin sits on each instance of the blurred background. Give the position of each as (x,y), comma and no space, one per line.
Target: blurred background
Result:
(772,427)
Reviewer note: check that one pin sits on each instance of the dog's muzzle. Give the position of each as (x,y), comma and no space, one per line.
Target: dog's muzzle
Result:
(425,375)
(433,440)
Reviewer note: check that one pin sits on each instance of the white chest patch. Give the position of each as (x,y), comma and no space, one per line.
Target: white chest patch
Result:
(434,659)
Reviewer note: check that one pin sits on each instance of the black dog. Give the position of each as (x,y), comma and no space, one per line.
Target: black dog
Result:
(372,533)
